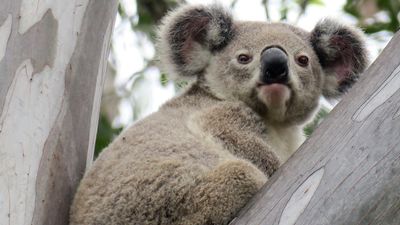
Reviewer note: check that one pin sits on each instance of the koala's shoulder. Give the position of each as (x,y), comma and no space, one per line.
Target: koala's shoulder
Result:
(231,115)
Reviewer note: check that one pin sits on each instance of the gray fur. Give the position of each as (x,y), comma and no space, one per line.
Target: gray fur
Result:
(189,35)
(205,153)
(341,51)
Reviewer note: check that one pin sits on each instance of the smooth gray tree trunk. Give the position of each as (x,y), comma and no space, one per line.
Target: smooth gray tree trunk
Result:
(348,171)
(53,57)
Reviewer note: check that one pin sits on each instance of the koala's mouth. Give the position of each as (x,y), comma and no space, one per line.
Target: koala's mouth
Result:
(260,84)
(274,95)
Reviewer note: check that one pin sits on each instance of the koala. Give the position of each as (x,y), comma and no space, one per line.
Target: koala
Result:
(206,152)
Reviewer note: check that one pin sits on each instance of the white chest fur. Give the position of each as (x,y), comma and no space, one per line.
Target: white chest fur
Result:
(285,141)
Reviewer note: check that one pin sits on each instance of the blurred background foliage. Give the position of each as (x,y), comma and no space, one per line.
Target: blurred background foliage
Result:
(375,15)
(127,100)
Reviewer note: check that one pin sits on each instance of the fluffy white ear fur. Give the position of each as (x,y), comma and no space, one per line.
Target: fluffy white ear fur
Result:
(189,35)
(342,54)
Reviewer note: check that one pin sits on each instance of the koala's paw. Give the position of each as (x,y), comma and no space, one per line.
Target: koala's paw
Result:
(241,131)
(222,192)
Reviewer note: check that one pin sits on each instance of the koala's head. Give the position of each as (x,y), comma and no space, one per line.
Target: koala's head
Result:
(277,69)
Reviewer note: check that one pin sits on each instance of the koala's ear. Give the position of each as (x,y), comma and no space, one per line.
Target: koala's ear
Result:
(342,54)
(189,35)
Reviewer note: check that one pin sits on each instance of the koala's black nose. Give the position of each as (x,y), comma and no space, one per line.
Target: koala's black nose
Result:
(274,66)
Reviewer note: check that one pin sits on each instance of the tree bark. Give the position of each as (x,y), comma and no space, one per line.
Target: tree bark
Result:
(348,171)
(53,56)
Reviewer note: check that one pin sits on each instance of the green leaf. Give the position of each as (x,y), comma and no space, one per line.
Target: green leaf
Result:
(376,27)
(316,2)
(164,79)
(121,11)
(105,134)
(351,8)
(309,129)
(181,84)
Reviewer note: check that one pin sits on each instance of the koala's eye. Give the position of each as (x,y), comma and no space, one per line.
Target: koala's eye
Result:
(302,60)
(244,59)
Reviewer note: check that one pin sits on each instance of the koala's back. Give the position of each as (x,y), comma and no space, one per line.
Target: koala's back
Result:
(146,173)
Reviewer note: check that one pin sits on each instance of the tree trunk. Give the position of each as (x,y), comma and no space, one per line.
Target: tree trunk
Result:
(53,56)
(348,171)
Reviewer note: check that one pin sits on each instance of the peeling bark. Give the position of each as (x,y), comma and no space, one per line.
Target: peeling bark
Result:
(53,56)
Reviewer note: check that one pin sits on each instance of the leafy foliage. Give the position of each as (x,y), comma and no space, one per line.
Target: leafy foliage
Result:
(375,15)
(148,14)
(323,112)
(286,6)
(105,134)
